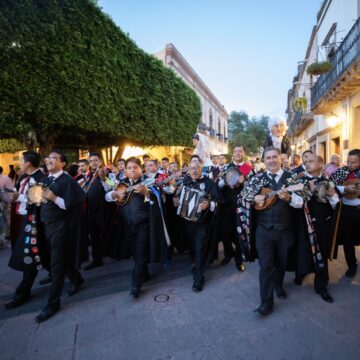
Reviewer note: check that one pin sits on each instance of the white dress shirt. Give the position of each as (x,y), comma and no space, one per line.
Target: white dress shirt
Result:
(59,201)
(296,201)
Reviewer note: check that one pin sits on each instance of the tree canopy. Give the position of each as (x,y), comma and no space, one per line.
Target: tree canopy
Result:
(246,131)
(68,74)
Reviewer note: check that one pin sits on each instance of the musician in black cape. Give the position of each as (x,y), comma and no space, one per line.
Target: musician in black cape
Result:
(226,222)
(61,216)
(143,224)
(274,226)
(347,180)
(96,210)
(167,184)
(313,227)
(29,219)
(198,233)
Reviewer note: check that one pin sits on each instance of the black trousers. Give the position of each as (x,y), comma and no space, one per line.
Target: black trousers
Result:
(95,226)
(305,263)
(55,233)
(349,234)
(227,232)
(323,235)
(196,235)
(138,236)
(273,249)
(24,288)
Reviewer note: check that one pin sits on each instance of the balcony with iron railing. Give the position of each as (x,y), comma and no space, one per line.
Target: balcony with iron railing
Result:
(346,55)
(298,121)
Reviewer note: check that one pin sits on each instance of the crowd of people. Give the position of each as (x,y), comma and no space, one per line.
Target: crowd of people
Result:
(290,219)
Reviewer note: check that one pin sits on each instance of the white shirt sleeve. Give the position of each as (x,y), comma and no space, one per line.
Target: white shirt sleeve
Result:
(60,203)
(108,197)
(296,201)
(22,198)
(221,183)
(341,188)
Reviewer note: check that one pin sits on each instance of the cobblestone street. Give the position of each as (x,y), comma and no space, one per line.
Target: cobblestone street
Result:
(102,322)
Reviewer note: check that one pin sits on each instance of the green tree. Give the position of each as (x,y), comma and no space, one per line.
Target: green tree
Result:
(10,145)
(246,131)
(70,76)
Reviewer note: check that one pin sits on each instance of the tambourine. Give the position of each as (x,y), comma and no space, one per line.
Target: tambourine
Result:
(232,177)
(34,194)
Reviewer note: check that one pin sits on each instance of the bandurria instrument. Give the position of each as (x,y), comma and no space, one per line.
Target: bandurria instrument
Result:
(189,202)
(129,190)
(271,196)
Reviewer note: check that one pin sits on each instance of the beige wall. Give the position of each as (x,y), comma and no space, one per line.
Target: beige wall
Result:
(354,123)
(7,158)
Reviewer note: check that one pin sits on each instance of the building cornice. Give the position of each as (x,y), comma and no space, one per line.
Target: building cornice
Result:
(171,50)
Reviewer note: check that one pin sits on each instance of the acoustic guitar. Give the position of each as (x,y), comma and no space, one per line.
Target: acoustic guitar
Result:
(355,182)
(271,196)
(129,190)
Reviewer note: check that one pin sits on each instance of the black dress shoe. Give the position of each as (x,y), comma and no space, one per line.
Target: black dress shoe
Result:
(280,293)
(226,260)
(134,292)
(93,265)
(265,309)
(198,285)
(298,280)
(351,272)
(46,280)
(16,301)
(239,265)
(74,288)
(47,312)
(325,296)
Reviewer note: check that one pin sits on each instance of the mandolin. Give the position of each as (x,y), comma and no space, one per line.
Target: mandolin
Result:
(355,182)
(271,196)
(129,190)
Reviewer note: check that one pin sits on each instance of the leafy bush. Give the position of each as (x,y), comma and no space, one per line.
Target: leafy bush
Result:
(319,68)
(71,76)
(300,104)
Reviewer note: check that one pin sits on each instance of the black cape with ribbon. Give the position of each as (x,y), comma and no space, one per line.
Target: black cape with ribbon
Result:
(30,240)
(314,231)
(159,242)
(74,198)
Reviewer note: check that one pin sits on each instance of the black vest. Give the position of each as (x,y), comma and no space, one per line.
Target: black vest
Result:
(136,210)
(280,215)
(50,212)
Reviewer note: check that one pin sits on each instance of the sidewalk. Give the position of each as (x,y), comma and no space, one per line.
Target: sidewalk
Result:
(102,322)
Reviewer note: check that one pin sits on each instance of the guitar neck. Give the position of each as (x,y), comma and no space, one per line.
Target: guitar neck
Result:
(290,188)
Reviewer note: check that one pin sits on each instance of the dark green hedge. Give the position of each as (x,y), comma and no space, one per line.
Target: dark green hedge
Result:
(67,72)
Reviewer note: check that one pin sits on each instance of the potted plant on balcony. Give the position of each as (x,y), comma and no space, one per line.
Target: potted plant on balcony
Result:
(318,68)
(300,104)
